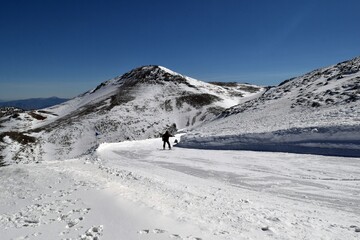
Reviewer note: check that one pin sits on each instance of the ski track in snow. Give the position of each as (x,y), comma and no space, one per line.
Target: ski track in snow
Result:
(132,190)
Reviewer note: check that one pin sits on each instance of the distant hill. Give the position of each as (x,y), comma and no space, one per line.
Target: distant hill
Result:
(33,103)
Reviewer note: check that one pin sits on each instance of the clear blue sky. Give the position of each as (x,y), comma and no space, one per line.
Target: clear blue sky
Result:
(63,48)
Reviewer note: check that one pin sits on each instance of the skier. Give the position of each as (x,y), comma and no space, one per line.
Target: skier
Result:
(165,139)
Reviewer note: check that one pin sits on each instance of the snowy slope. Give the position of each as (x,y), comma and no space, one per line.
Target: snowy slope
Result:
(140,104)
(318,112)
(132,190)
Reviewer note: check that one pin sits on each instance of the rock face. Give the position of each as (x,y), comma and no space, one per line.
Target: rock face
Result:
(10,111)
(140,104)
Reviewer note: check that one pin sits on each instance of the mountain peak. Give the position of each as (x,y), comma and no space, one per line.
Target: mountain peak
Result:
(151,74)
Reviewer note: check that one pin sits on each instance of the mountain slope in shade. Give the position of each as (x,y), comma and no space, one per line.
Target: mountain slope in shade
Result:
(140,104)
(318,112)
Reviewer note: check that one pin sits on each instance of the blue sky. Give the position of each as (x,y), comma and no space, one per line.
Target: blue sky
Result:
(63,48)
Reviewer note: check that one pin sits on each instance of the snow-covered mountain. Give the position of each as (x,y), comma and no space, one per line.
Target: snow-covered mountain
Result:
(140,104)
(318,112)
(130,190)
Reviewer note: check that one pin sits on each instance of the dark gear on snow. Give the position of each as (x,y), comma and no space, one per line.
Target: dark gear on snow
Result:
(165,139)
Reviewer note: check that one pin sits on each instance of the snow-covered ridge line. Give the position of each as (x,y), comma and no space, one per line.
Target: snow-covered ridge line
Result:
(139,104)
(327,99)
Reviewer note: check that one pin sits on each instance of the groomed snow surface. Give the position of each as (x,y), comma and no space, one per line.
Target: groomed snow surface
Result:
(136,190)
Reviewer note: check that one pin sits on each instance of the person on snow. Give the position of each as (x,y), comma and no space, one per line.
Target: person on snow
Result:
(165,139)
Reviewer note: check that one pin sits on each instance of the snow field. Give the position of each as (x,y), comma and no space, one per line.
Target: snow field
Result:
(136,190)
(247,194)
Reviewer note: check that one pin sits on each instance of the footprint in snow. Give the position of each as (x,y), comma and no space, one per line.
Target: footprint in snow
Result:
(22,237)
(145,231)
(266,228)
(222,233)
(157,231)
(93,233)
(74,222)
(274,219)
(161,231)
(175,236)
(193,238)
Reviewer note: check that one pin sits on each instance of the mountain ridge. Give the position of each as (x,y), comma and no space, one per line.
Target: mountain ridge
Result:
(139,104)
(298,115)
(148,100)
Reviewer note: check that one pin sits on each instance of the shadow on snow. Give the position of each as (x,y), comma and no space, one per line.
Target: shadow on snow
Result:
(329,141)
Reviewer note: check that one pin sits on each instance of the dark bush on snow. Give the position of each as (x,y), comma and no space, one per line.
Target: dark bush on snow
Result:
(17,136)
(196,100)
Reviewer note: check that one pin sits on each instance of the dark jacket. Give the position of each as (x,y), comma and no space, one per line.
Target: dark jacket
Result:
(166,136)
